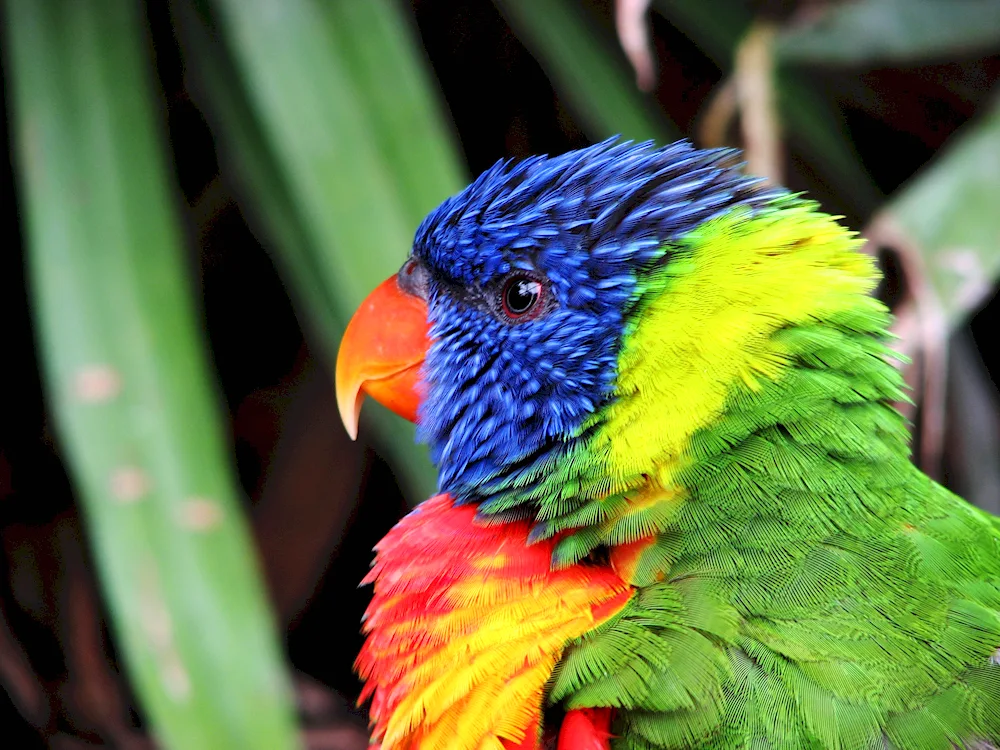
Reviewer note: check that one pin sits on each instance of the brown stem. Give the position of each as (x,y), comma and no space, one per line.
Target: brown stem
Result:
(633,34)
(93,688)
(922,327)
(22,684)
(713,129)
(754,76)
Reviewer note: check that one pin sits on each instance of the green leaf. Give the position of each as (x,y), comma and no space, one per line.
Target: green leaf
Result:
(326,114)
(313,121)
(587,69)
(381,53)
(267,202)
(947,214)
(876,32)
(128,382)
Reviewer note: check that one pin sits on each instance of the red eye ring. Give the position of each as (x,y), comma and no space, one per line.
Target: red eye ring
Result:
(522,297)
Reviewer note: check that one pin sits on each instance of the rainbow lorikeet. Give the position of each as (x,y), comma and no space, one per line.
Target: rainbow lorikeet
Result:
(677,506)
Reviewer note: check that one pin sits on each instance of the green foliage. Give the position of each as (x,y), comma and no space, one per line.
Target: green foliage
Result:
(128,381)
(878,32)
(327,171)
(947,216)
(332,126)
(355,142)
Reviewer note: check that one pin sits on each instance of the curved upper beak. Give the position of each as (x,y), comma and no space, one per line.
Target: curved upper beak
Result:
(381,353)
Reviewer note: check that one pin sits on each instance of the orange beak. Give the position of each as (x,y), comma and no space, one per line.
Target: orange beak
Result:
(381,352)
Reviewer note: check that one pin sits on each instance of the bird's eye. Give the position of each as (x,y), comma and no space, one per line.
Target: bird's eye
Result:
(412,278)
(522,297)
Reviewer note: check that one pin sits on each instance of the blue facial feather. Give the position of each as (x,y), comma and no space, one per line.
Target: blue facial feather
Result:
(506,397)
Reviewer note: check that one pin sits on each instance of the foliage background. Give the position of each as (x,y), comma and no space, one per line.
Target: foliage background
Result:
(302,142)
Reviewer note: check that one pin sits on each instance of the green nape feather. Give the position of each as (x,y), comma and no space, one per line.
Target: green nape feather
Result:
(801,584)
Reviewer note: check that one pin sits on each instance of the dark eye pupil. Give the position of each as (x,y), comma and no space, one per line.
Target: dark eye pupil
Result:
(521,295)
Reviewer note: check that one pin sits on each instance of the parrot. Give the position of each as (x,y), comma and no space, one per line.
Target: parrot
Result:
(676,506)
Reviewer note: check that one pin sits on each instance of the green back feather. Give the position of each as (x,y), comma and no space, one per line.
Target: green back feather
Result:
(802,585)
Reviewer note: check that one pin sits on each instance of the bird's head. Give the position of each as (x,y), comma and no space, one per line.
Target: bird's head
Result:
(564,325)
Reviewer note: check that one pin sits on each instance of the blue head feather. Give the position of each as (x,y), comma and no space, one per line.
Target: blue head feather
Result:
(506,397)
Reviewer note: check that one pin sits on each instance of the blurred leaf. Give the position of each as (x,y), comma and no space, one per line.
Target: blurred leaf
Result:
(314,122)
(386,63)
(340,144)
(128,382)
(945,230)
(948,216)
(716,26)
(244,151)
(894,31)
(586,70)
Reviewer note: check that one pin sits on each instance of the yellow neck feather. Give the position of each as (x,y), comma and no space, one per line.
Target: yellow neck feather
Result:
(707,322)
